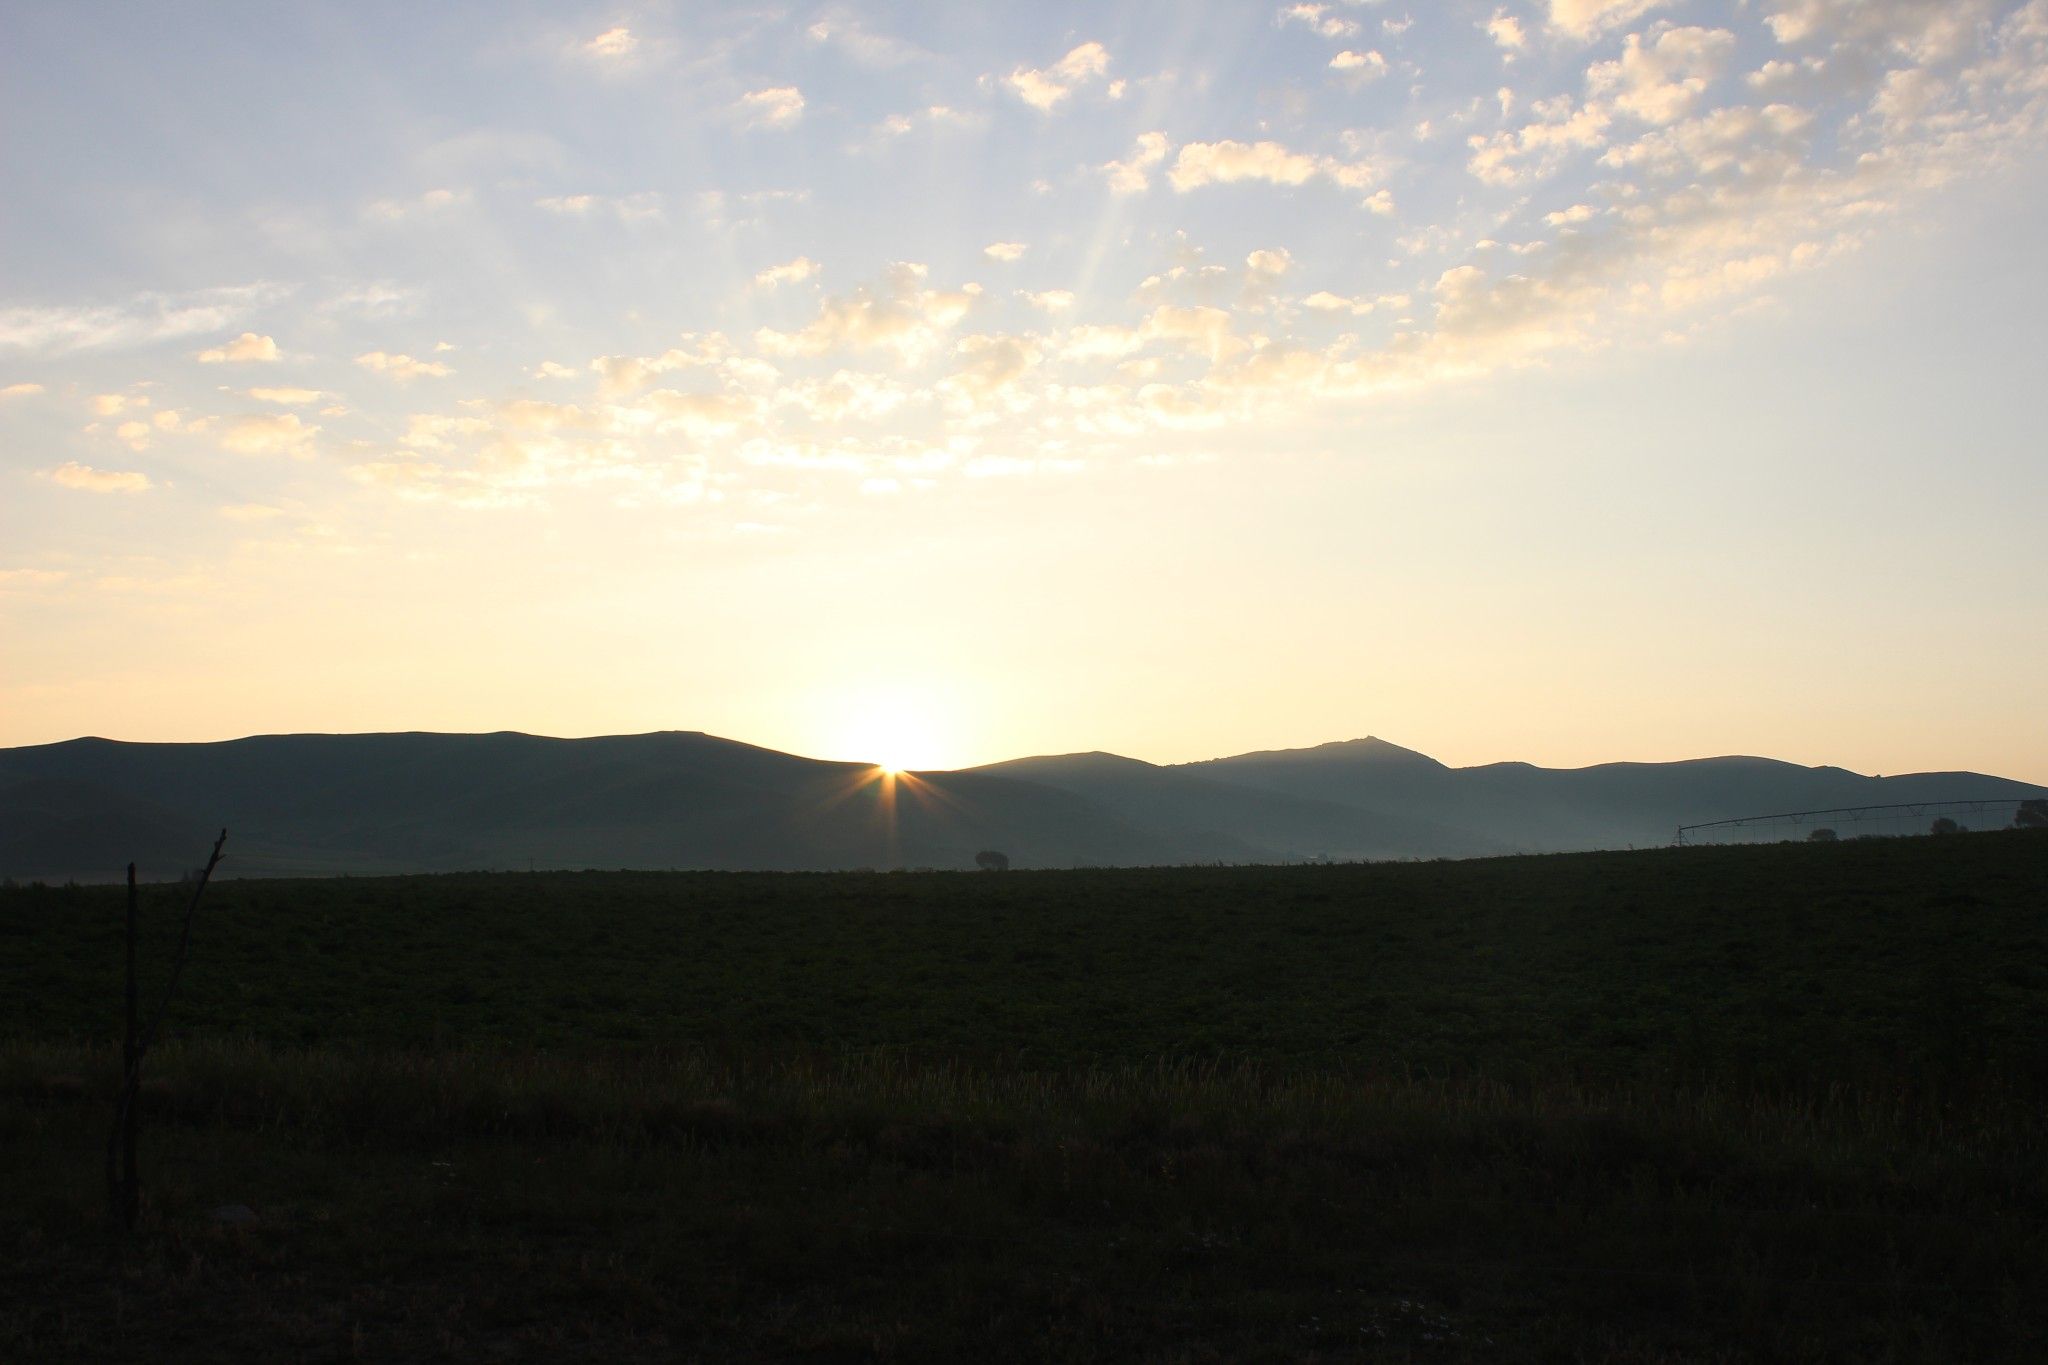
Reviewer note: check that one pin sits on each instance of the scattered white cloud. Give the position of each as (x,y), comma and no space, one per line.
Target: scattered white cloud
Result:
(612,44)
(1923,32)
(839,27)
(246,348)
(279,433)
(1050,300)
(1665,78)
(251,511)
(630,208)
(780,106)
(1539,148)
(402,367)
(1044,89)
(1133,174)
(1506,31)
(290,397)
(22,390)
(899,312)
(27,579)
(943,116)
(1359,66)
(1228,162)
(1320,19)
(86,479)
(619,375)
(141,321)
(1005,251)
(789,272)
(431,202)
(1587,18)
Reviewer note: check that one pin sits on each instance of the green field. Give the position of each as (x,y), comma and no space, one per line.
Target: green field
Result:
(1718,1104)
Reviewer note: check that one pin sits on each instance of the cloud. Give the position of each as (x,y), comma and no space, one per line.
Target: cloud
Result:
(1920,31)
(86,479)
(1044,89)
(990,368)
(402,367)
(288,396)
(279,433)
(246,348)
(780,106)
(1539,148)
(1133,174)
(31,578)
(378,299)
(612,44)
(619,375)
(24,390)
(627,208)
(1005,251)
(849,395)
(144,319)
(694,414)
(107,404)
(1506,31)
(1664,79)
(1359,66)
(1228,162)
(1318,18)
(931,116)
(1203,329)
(1323,301)
(1586,18)
(250,511)
(789,272)
(430,202)
(842,29)
(1264,267)
(896,312)
(1049,300)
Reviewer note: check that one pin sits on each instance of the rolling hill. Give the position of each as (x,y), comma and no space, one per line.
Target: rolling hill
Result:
(421,802)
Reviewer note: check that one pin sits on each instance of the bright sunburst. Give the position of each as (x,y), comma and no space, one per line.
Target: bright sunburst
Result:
(897,727)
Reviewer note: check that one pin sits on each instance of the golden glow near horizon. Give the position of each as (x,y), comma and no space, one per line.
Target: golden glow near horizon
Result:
(1568,382)
(897,726)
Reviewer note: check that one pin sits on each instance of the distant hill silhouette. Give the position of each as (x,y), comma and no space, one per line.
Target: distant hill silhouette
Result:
(1609,805)
(328,804)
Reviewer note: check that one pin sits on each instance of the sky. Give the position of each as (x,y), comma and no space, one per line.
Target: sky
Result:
(932,384)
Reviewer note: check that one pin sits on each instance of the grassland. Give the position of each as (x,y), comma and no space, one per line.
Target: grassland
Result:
(1715,1104)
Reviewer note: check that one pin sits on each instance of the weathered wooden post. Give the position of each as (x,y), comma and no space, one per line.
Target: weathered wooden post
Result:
(125,1193)
(124,1181)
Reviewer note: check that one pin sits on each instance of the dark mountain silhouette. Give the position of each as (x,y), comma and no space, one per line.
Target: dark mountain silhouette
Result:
(1609,805)
(1284,825)
(431,802)
(326,804)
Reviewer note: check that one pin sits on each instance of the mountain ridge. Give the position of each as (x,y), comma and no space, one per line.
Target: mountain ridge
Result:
(415,801)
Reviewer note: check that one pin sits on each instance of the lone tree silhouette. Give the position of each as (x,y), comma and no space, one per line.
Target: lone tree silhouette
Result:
(988,860)
(2032,815)
(1943,825)
(1822,836)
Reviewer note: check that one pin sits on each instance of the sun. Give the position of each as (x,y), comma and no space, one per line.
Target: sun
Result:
(898,729)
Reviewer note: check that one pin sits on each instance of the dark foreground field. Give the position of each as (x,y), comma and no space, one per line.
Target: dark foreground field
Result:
(1718,1104)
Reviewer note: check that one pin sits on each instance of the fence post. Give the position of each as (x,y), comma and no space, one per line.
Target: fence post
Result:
(126,1191)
